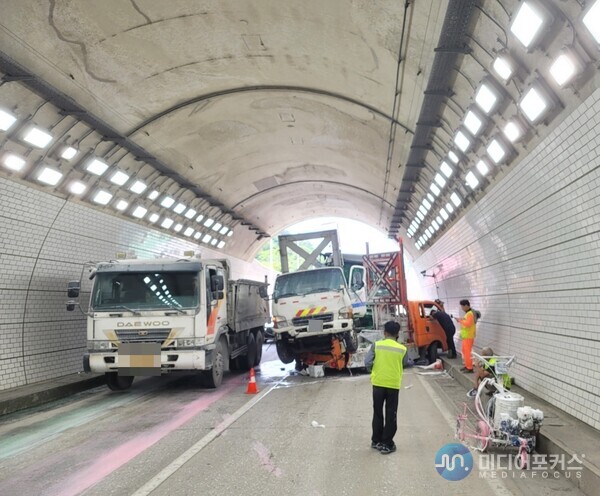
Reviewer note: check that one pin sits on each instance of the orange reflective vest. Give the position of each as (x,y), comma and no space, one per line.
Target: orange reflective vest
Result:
(467,329)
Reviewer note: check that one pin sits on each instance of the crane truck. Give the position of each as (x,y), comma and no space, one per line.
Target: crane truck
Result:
(158,316)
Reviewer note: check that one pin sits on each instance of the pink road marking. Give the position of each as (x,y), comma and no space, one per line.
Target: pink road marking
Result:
(116,458)
(265,457)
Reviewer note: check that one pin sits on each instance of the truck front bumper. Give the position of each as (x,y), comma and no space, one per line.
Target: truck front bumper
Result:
(338,326)
(170,360)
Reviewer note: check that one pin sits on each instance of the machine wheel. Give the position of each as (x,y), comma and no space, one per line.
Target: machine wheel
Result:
(483,433)
(283,353)
(260,339)
(522,460)
(116,382)
(432,352)
(351,341)
(212,378)
(247,361)
(459,431)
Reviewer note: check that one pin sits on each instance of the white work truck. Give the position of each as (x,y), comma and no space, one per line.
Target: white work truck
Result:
(153,317)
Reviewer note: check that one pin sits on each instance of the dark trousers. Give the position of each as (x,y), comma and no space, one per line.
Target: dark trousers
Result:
(384,430)
(450,341)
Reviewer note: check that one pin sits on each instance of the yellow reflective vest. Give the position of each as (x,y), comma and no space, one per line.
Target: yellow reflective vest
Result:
(467,326)
(387,366)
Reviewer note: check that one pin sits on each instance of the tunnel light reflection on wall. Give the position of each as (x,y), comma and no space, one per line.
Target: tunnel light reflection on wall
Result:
(471,180)
(49,176)
(446,169)
(139,212)
(533,104)
(527,24)
(591,20)
(462,141)
(102,197)
(37,137)
(503,68)
(77,187)
(13,162)
(96,167)
(6,120)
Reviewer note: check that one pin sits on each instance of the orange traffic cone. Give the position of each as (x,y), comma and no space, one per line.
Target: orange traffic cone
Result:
(252,388)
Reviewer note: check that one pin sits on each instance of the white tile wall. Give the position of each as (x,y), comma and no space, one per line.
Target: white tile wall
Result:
(44,242)
(528,257)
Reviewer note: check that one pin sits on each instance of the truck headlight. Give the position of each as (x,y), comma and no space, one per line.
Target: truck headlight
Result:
(279,322)
(98,345)
(345,313)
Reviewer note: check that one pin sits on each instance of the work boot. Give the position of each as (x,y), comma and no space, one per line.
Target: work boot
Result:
(376,446)
(387,449)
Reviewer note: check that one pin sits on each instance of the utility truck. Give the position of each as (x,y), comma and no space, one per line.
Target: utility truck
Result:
(154,317)
(314,308)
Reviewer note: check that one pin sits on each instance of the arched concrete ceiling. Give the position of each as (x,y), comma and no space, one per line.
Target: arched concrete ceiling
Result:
(261,114)
(279,110)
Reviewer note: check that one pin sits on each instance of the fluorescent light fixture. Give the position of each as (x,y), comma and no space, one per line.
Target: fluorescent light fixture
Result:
(197,235)
(426,203)
(166,223)
(527,24)
(462,141)
(483,168)
(486,98)
(188,232)
(224,230)
(496,151)
(512,131)
(13,162)
(153,218)
(199,218)
(436,190)
(503,68)
(121,205)
(453,157)
(96,167)
(473,123)
(49,176)
(430,198)
(119,178)
(102,197)
(179,209)
(178,227)
(592,21)
(138,187)
(444,214)
(439,220)
(472,180)
(423,210)
(6,120)
(69,152)
(440,180)
(435,224)
(140,212)
(77,187)
(563,68)
(221,244)
(190,213)
(208,222)
(446,169)
(449,208)
(217,226)
(167,202)
(206,238)
(420,215)
(213,241)
(153,195)
(430,231)
(533,104)
(229,234)
(37,137)
(454,198)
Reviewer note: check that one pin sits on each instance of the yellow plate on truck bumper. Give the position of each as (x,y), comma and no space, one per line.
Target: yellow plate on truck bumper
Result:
(139,359)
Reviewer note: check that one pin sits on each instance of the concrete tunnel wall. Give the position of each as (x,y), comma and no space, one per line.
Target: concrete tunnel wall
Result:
(44,242)
(527,255)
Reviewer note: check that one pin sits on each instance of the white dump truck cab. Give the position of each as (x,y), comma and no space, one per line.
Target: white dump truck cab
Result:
(153,317)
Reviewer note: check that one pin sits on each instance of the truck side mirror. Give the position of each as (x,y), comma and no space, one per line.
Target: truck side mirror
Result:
(70,306)
(262,292)
(73,288)
(217,283)
(220,295)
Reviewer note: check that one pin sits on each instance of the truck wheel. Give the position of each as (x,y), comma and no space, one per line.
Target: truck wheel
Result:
(212,378)
(283,353)
(259,346)
(432,352)
(116,382)
(247,361)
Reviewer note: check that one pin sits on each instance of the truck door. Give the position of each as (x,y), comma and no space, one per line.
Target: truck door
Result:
(216,307)
(358,290)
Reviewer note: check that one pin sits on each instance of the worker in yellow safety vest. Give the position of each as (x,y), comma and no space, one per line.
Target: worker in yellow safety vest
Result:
(468,330)
(384,360)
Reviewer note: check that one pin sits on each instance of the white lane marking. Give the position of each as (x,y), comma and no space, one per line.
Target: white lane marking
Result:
(176,464)
(496,485)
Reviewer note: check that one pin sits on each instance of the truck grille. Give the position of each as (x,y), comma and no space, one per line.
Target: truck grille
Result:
(134,336)
(303,321)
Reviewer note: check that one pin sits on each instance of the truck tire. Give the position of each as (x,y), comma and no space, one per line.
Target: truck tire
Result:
(212,378)
(283,353)
(432,352)
(116,382)
(247,361)
(260,339)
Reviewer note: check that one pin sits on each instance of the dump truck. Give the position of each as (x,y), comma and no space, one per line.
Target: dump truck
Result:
(160,316)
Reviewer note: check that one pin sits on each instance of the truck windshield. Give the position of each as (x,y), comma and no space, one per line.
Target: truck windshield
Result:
(145,290)
(313,281)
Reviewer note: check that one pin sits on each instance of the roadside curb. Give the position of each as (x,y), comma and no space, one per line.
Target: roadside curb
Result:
(545,443)
(24,397)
